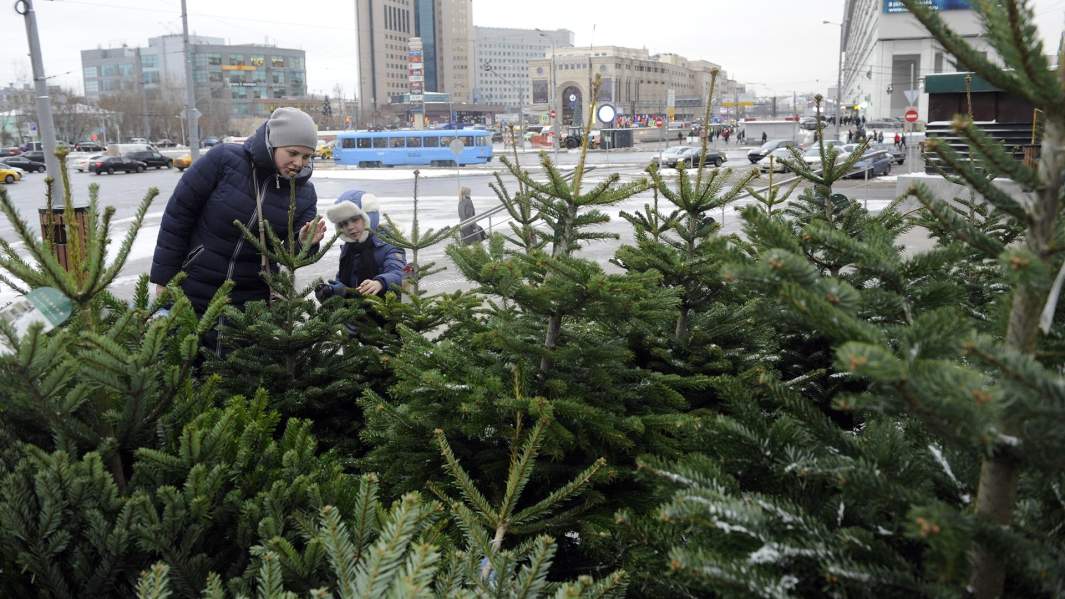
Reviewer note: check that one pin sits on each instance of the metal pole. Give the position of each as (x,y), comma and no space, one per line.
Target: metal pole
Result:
(839,78)
(555,104)
(45,124)
(191,114)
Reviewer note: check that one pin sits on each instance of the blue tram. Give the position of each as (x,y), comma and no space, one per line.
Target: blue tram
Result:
(426,147)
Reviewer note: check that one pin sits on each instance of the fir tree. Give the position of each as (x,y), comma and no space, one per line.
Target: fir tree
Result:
(303,354)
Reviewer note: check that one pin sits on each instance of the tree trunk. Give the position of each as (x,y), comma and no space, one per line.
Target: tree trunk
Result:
(1000,472)
(680,335)
(554,328)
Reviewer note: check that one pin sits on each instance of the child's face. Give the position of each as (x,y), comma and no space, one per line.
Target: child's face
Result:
(354,227)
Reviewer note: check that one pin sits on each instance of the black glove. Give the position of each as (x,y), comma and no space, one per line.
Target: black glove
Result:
(333,288)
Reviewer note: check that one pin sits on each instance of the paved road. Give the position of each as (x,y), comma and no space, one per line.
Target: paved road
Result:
(437,204)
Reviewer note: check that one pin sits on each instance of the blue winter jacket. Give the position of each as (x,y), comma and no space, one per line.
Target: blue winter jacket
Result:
(197,233)
(390,262)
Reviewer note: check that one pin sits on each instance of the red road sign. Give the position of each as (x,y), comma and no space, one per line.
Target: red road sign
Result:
(552,113)
(911,115)
(93,137)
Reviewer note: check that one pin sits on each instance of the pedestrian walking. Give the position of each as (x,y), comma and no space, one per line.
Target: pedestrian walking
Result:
(764,137)
(471,233)
(850,135)
(246,182)
(897,139)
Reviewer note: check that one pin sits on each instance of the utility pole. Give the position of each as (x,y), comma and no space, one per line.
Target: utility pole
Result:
(191,114)
(45,124)
(839,77)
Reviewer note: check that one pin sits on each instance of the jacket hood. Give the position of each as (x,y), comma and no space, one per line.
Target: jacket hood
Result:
(262,155)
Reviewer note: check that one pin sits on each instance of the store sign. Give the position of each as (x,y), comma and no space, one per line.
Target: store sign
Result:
(415,70)
(237,67)
(896,6)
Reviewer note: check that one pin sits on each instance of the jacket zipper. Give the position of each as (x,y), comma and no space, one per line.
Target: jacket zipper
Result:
(192,256)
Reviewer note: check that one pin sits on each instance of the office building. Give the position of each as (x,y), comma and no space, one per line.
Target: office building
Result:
(248,76)
(887,52)
(385,27)
(501,62)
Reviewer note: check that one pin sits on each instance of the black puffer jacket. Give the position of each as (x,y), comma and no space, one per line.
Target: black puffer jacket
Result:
(197,233)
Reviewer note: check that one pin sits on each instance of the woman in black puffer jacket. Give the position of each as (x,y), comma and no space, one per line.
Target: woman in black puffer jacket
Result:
(197,234)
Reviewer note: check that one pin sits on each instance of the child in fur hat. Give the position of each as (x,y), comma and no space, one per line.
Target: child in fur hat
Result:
(368,265)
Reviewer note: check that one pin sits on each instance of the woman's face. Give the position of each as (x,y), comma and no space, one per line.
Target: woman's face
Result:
(354,227)
(290,160)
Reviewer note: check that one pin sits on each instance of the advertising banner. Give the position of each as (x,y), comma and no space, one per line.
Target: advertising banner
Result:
(539,88)
(896,6)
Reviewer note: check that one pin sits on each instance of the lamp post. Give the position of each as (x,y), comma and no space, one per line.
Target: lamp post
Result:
(521,98)
(551,96)
(839,73)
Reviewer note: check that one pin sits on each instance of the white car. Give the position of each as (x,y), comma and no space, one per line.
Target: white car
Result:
(812,155)
(81,164)
(776,155)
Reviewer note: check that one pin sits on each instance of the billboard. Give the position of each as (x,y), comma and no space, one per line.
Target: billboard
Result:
(896,6)
(540,87)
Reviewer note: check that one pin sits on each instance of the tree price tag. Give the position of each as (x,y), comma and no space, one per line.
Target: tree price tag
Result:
(45,305)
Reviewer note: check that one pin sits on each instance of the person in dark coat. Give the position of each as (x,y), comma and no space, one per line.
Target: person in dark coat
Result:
(197,234)
(471,233)
(368,265)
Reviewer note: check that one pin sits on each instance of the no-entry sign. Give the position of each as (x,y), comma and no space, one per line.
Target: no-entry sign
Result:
(911,114)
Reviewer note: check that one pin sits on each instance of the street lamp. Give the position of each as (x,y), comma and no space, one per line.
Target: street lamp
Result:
(839,72)
(551,96)
(521,99)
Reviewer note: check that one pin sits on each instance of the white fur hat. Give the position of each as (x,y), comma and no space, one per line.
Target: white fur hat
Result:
(353,204)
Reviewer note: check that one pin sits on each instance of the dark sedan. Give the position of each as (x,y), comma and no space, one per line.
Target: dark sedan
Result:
(872,164)
(151,158)
(30,166)
(111,164)
(34,155)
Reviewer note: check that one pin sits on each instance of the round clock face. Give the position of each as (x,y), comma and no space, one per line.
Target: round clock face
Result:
(606,113)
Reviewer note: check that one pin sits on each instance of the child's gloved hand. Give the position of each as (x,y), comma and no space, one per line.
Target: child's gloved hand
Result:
(333,288)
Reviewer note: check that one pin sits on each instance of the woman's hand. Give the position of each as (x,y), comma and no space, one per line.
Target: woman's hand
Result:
(370,287)
(312,237)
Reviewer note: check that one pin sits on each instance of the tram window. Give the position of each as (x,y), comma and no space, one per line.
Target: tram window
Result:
(414,142)
(481,141)
(347,143)
(432,142)
(380,142)
(395,142)
(363,142)
(445,140)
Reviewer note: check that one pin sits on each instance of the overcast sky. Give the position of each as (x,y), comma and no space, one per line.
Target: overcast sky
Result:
(776,45)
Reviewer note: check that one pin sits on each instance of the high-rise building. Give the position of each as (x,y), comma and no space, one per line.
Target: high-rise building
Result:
(887,52)
(385,27)
(501,62)
(249,76)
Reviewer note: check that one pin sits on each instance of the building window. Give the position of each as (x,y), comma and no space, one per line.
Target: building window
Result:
(151,77)
(149,61)
(236,60)
(278,77)
(108,70)
(257,60)
(214,59)
(277,62)
(92,87)
(90,72)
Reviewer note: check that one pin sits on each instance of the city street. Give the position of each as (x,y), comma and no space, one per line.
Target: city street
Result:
(438,188)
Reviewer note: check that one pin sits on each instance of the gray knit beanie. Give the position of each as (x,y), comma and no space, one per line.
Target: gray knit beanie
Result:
(291,127)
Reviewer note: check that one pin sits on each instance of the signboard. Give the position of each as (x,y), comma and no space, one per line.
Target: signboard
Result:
(606,114)
(415,71)
(912,95)
(43,305)
(671,98)
(896,6)
(911,114)
(671,113)
(539,91)
(456,146)
(237,67)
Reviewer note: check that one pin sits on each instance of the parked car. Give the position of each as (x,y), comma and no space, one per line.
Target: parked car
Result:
(497,137)
(34,155)
(209,142)
(762,151)
(110,164)
(151,158)
(138,140)
(82,163)
(88,146)
(812,155)
(183,162)
(777,165)
(12,151)
(164,143)
(10,175)
(896,152)
(873,163)
(30,166)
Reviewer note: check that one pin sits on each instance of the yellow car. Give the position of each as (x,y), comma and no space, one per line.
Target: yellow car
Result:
(183,162)
(324,151)
(10,175)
